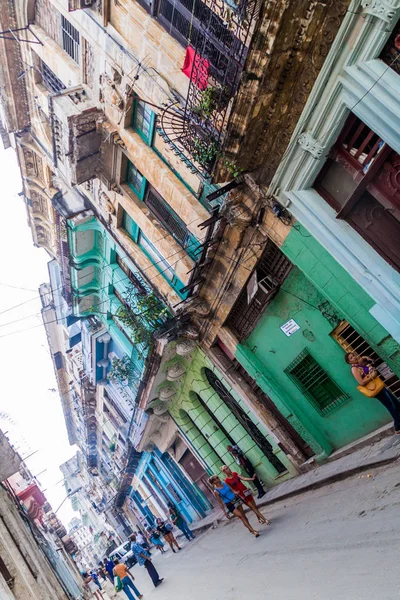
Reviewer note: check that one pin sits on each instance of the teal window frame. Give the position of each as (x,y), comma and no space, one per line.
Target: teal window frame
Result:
(129,225)
(153,254)
(190,243)
(132,173)
(136,117)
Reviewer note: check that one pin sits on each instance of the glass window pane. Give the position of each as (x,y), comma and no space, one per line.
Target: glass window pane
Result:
(135,178)
(143,118)
(339,183)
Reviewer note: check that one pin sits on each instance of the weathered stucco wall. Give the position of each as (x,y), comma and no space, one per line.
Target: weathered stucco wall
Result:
(287,52)
(267,351)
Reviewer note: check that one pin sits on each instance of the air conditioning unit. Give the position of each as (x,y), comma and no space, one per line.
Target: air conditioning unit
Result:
(268,284)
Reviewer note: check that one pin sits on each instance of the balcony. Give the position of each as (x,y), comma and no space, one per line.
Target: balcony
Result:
(220,39)
(79,4)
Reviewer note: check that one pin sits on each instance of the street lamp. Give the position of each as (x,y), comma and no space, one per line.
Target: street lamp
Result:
(68,496)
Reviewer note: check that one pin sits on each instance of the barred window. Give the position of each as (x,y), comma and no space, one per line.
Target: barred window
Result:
(70,39)
(50,79)
(269,274)
(315,383)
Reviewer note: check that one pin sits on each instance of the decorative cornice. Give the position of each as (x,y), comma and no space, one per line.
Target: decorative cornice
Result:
(380,9)
(310,144)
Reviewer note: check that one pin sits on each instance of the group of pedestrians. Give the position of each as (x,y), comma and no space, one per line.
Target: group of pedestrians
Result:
(157,535)
(231,493)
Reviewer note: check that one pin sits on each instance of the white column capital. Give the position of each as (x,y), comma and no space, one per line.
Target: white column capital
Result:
(382,9)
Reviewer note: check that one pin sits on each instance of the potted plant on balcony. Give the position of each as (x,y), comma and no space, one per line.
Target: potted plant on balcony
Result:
(205,152)
(211,99)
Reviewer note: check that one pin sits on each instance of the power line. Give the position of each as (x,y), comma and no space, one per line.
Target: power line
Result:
(17,287)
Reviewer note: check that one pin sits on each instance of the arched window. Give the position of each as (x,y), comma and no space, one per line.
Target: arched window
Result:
(252,429)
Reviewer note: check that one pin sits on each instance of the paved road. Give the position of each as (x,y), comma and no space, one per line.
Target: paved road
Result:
(341,542)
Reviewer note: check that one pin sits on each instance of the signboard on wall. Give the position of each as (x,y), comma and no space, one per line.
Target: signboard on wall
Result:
(290,327)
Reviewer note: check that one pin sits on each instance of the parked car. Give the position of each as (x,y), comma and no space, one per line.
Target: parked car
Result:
(124,554)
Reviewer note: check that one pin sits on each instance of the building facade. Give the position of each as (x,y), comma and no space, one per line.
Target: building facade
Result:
(216,186)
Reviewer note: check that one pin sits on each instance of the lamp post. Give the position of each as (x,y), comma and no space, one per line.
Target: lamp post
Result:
(68,496)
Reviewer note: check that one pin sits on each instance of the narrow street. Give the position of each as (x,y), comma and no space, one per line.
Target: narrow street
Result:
(339,542)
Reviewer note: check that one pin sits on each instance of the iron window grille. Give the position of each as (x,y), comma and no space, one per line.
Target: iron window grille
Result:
(271,272)
(133,277)
(315,383)
(351,341)
(166,216)
(162,211)
(70,39)
(50,79)
(245,421)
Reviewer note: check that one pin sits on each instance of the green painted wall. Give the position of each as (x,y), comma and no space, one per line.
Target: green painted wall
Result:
(268,351)
(202,430)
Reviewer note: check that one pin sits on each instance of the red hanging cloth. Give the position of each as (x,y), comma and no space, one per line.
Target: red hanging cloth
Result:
(196,68)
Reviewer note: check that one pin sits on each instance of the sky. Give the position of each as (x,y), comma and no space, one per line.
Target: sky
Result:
(34,418)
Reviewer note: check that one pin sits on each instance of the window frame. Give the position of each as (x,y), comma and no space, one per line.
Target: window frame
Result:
(369,188)
(139,192)
(152,253)
(148,139)
(49,78)
(72,34)
(190,242)
(322,377)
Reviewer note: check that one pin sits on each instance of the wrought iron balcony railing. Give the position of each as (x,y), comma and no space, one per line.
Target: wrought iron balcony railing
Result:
(220,38)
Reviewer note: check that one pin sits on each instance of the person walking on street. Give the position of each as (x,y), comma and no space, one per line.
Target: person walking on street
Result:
(166,530)
(234,480)
(93,588)
(109,565)
(96,579)
(179,521)
(244,462)
(121,571)
(142,540)
(144,560)
(367,377)
(230,502)
(155,539)
(102,571)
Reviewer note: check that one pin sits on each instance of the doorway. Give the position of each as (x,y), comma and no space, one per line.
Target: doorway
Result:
(197,474)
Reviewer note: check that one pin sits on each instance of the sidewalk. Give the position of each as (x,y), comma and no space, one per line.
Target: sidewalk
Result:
(378,453)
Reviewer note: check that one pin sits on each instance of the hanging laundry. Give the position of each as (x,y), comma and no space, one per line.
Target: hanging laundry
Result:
(196,68)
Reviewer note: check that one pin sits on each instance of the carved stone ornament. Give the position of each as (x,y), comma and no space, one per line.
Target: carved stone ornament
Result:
(107,203)
(310,144)
(238,214)
(192,332)
(202,309)
(114,187)
(167,392)
(160,409)
(185,347)
(380,9)
(175,371)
